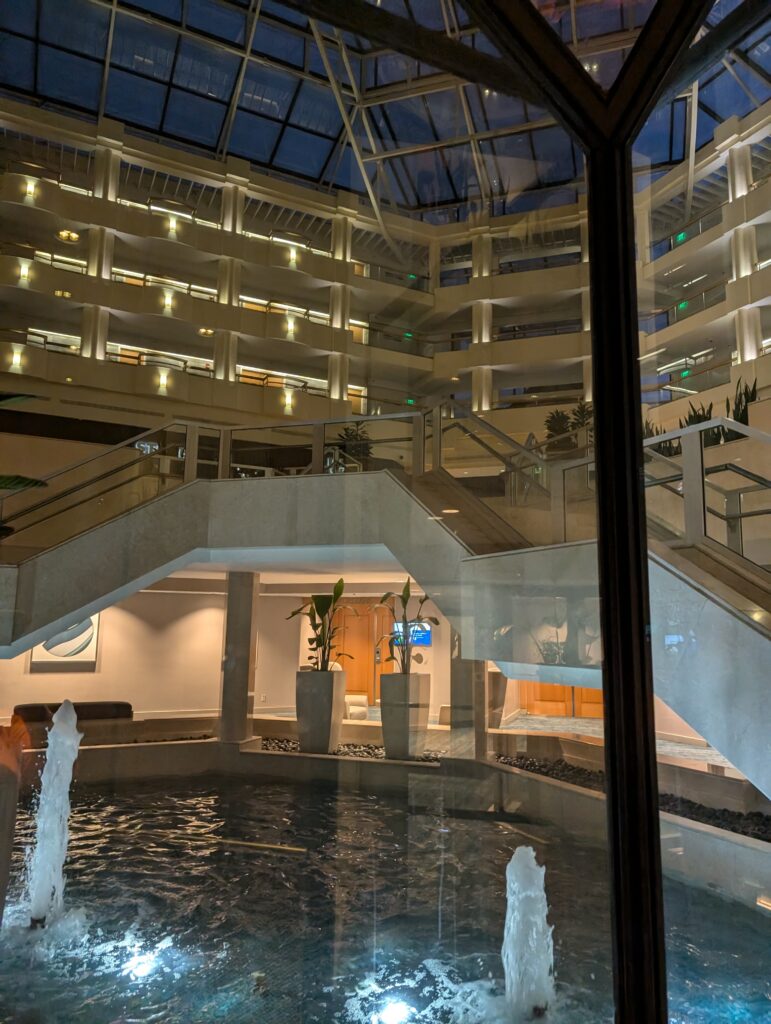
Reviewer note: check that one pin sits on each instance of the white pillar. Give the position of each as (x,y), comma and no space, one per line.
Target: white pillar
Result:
(101,246)
(744,251)
(739,166)
(337,376)
(107,173)
(339,305)
(586,374)
(481,255)
(228,281)
(481,322)
(642,220)
(481,388)
(239,662)
(233,201)
(225,355)
(95,325)
(342,234)
(749,333)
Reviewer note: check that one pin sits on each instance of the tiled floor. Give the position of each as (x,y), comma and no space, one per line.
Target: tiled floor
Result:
(594,727)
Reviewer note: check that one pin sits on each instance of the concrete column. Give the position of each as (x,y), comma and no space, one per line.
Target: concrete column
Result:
(468,705)
(481,322)
(481,388)
(225,355)
(337,376)
(339,305)
(342,234)
(233,201)
(744,251)
(101,246)
(107,173)
(481,255)
(95,325)
(228,281)
(238,664)
(739,166)
(749,333)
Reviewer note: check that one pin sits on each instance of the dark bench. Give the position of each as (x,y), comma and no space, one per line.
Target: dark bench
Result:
(87,711)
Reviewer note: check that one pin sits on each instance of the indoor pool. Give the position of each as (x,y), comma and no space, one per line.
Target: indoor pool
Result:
(233,901)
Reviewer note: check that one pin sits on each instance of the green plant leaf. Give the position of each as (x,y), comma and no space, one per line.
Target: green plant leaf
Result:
(337,593)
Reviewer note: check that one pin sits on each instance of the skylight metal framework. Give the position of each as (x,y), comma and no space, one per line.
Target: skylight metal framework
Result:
(245,78)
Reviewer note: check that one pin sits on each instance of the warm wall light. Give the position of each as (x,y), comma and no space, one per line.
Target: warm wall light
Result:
(60,293)
(24,270)
(65,235)
(292,255)
(172,225)
(31,187)
(205,332)
(290,324)
(16,359)
(288,400)
(168,301)
(163,379)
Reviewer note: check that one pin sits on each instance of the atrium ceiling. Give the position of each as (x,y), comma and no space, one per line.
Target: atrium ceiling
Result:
(259,80)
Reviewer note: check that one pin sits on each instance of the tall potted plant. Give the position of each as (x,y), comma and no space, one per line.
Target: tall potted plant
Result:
(404,695)
(320,692)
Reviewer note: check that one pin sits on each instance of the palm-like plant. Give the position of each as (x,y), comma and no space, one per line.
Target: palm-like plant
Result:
(320,612)
(582,415)
(400,643)
(557,424)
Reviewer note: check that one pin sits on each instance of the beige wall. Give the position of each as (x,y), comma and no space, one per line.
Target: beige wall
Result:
(39,456)
(162,652)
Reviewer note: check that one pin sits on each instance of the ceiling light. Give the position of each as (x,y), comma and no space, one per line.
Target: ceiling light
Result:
(65,235)
(68,380)
(60,293)
(704,352)
(450,511)
(650,355)
(205,332)
(454,378)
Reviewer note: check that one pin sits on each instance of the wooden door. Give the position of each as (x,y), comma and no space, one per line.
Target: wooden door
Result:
(357,641)
(588,702)
(546,699)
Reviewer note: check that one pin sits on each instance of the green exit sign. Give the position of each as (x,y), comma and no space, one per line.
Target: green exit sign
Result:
(407,334)
(683,304)
(685,373)
(681,236)
(410,401)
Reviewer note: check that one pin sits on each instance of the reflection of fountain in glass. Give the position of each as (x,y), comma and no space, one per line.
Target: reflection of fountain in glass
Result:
(528,951)
(46,865)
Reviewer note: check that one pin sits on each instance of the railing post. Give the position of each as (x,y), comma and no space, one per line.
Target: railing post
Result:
(558,512)
(418,445)
(224,455)
(317,448)
(693,487)
(436,437)
(733,522)
(190,472)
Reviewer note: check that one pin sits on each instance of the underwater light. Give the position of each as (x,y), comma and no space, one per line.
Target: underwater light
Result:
(393,1013)
(140,965)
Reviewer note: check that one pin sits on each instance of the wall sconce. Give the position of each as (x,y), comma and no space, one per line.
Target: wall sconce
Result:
(172,225)
(168,301)
(16,359)
(288,400)
(290,324)
(206,332)
(60,293)
(292,256)
(31,188)
(163,379)
(65,235)
(23,271)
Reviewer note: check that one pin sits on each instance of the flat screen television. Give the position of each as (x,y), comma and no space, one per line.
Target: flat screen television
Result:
(420,633)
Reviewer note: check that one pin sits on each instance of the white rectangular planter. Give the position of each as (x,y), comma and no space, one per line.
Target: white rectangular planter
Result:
(404,714)
(320,704)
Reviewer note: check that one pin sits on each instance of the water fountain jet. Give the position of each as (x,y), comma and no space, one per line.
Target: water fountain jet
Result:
(46,865)
(528,951)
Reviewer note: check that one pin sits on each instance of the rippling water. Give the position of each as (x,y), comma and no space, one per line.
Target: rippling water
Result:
(234,901)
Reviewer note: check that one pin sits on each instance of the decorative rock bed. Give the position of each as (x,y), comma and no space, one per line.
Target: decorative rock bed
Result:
(280,745)
(754,824)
